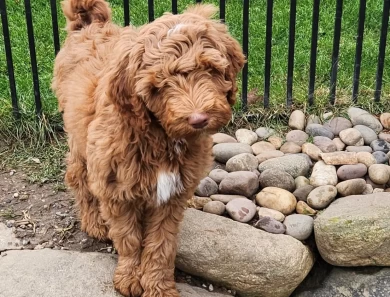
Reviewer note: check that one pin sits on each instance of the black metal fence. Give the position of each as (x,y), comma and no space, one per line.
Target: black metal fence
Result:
(245,44)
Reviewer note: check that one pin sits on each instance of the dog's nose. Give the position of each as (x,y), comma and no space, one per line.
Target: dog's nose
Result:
(198,120)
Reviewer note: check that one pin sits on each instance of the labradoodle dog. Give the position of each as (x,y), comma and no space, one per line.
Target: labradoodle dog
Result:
(139,105)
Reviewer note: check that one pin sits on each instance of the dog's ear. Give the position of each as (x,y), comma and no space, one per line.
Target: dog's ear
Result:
(122,81)
(237,61)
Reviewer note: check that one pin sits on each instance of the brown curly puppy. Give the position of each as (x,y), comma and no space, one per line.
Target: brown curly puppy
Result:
(139,105)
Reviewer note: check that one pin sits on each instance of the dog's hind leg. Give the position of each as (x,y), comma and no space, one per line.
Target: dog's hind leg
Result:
(91,219)
(125,231)
(158,256)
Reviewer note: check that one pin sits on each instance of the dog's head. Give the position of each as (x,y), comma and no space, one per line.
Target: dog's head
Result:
(182,69)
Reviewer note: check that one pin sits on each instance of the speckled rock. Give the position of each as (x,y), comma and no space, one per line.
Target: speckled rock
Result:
(277,178)
(299,226)
(223,138)
(338,124)
(268,212)
(323,174)
(202,232)
(359,116)
(351,136)
(261,147)
(325,144)
(312,151)
(379,173)
(268,155)
(242,162)
(297,120)
(206,187)
(321,196)
(296,164)
(339,158)
(246,136)
(278,199)
(359,227)
(224,151)
(351,187)
(347,172)
(367,133)
(302,192)
(218,175)
(263,132)
(214,207)
(380,145)
(290,148)
(318,130)
(241,209)
(297,136)
(270,225)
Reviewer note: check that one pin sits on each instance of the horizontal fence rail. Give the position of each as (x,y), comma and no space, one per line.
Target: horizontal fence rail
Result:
(246,19)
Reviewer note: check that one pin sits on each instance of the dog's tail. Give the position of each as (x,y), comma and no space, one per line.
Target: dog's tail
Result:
(81,13)
(205,10)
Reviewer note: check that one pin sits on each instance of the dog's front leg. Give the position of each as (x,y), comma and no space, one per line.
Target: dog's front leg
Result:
(126,232)
(159,249)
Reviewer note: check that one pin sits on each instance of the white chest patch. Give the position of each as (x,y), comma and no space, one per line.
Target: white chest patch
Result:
(168,184)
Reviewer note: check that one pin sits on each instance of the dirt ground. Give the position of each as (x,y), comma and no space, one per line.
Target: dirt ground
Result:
(44,216)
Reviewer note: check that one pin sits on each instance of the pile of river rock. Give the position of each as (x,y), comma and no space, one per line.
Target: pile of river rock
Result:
(280,183)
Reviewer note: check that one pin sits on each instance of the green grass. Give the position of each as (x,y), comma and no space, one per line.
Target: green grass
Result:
(45,49)
(39,134)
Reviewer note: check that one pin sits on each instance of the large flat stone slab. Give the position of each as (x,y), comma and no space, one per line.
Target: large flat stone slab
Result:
(53,273)
(241,257)
(355,231)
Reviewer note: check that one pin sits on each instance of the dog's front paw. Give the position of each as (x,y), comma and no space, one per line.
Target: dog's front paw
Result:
(128,284)
(97,230)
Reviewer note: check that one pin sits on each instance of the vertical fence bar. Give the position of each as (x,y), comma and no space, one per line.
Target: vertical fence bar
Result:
(359,47)
(8,54)
(268,44)
(336,47)
(313,50)
(126,12)
(174,6)
(222,10)
(151,10)
(291,45)
(33,57)
(245,42)
(382,48)
(54,22)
